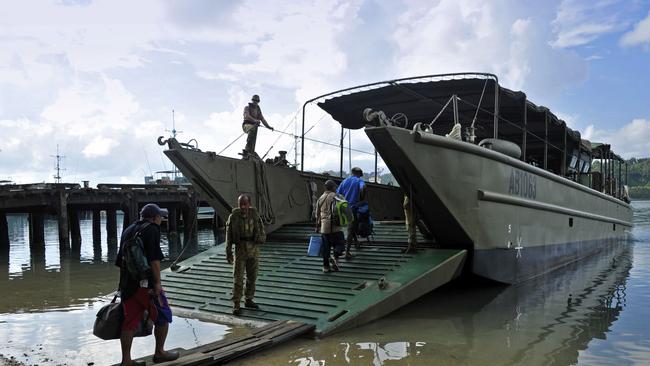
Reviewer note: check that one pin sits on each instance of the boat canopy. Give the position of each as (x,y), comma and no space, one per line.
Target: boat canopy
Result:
(498,112)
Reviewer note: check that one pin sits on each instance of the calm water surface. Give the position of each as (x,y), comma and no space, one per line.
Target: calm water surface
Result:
(590,313)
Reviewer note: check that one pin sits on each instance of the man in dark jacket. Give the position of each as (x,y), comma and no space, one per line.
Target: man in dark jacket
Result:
(244,230)
(138,296)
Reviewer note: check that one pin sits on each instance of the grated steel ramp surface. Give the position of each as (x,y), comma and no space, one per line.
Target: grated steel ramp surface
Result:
(291,285)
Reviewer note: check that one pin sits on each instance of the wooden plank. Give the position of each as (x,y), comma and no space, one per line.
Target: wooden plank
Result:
(238,350)
(303,329)
(273,325)
(210,347)
(288,327)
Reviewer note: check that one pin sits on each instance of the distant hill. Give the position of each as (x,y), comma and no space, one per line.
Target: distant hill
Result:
(638,171)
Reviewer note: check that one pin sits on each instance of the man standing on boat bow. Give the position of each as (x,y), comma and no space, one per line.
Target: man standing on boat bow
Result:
(252,119)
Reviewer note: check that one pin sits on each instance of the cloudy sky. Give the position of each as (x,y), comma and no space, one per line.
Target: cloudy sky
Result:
(100,78)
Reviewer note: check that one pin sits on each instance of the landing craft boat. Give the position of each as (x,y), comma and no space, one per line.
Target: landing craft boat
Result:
(491,172)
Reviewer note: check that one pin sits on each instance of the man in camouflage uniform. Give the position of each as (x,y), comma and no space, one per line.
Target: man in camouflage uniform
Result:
(409,215)
(245,231)
(252,119)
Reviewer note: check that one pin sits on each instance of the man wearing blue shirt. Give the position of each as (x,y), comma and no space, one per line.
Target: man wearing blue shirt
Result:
(354,190)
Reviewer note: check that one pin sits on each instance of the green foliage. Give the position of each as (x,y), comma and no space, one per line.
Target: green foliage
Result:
(640,192)
(638,172)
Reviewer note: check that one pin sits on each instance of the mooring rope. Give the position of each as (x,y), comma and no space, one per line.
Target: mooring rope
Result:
(263,195)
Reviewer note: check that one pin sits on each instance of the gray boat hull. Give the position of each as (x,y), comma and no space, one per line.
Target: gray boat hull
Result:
(518,221)
(285,194)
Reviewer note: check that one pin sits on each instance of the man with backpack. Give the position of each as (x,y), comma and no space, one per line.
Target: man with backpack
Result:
(140,287)
(330,217)
(354,190)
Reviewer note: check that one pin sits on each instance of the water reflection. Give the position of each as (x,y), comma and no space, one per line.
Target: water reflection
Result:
(44,276)
(50,297)
(548,321)
(591,313)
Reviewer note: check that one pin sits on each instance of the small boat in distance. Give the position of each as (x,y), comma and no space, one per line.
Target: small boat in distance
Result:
(491,172)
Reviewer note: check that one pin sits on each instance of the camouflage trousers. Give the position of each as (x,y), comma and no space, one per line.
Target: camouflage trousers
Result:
(410,228)
(246,264)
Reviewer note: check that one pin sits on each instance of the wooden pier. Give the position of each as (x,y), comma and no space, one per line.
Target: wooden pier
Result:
(68,201)
(229,349)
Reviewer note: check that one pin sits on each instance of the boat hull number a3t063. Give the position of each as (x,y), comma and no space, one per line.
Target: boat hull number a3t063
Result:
(522,184)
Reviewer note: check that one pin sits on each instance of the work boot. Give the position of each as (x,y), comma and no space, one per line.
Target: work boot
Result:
(326,270)
(334,264)
(236,310)
(167,356)
(348,255)
(251,304)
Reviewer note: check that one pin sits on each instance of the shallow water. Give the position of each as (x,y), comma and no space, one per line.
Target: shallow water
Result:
(590,313)
(49,301)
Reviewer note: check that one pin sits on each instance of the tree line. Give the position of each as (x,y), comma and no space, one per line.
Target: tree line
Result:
(638,170)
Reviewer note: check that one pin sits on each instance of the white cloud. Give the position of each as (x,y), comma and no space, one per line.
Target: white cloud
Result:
(458,36)
(100,79)
(579,23)
(581,34)
(99,146)
(631,140)
(295,44)
(639,35)
(90,106)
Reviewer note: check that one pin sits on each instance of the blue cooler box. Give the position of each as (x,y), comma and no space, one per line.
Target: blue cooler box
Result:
(315,245)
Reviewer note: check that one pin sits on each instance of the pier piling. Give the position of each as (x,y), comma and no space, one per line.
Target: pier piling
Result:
(97,228)
(4,235)
(172,223)
(36,230)
(190,232)
(125,219)
(62,218)
(111,227)
(75,230)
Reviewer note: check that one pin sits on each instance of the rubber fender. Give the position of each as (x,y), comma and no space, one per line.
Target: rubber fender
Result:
(505,147)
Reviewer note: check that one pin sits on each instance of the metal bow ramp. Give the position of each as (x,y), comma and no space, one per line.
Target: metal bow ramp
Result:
(291,285)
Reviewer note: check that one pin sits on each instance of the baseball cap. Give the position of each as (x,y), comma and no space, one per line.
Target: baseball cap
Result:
(153,210)
(330,185)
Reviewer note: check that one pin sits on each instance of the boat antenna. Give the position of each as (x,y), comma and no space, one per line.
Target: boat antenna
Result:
(58,168)
(174,133)
(146,158)
(173,130)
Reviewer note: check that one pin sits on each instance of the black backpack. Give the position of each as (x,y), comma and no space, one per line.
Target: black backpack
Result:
(364,224)
(134,259)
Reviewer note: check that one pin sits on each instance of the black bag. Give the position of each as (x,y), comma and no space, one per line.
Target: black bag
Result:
(134,259)
(108,323)
(364,224)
